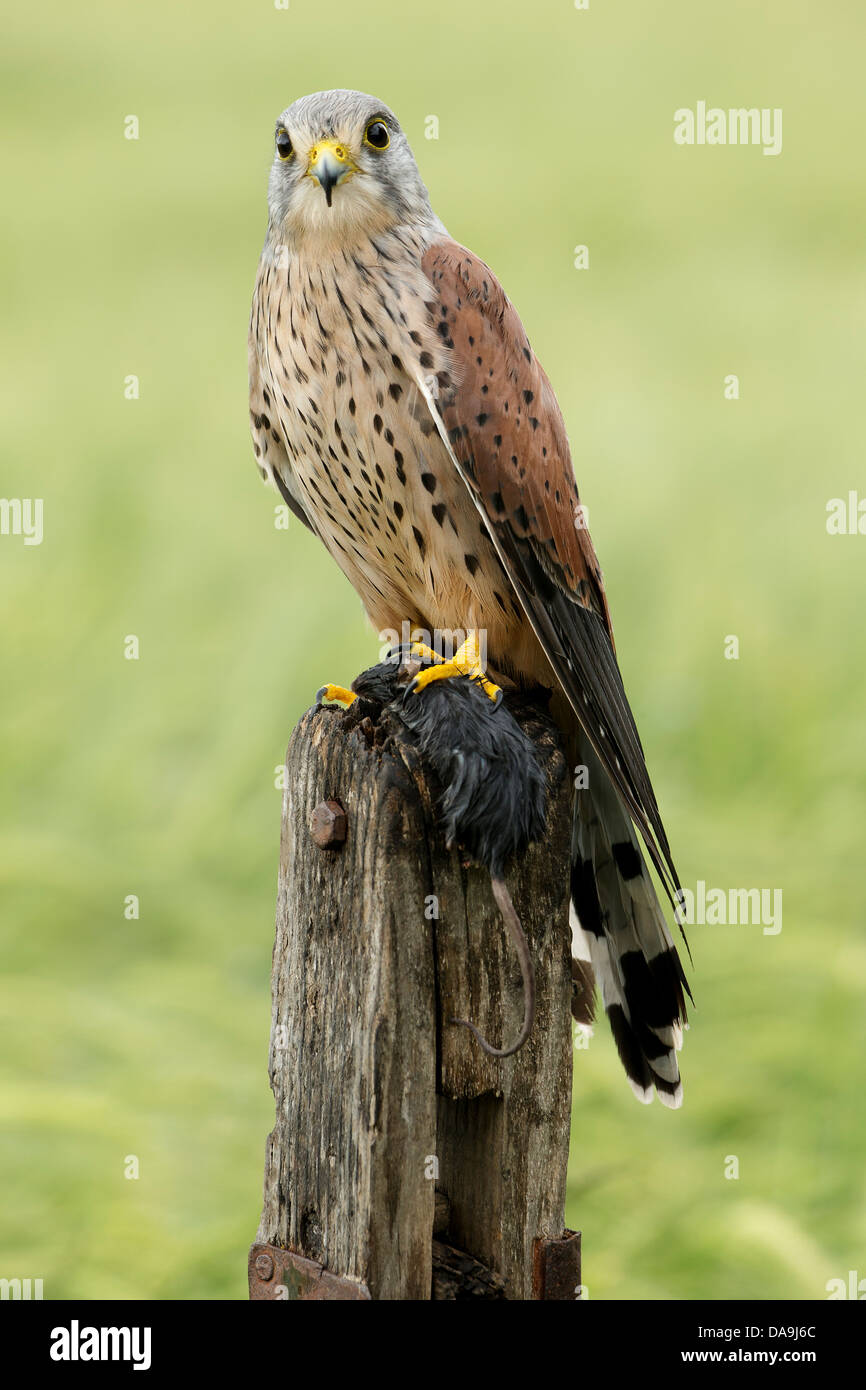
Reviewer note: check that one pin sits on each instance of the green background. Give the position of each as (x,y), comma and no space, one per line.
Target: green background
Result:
(156,777)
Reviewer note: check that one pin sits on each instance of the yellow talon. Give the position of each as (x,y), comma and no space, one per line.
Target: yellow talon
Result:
(426,653)
(338,693)
(466,661)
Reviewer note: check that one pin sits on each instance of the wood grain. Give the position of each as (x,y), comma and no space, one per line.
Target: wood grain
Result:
(375,1090)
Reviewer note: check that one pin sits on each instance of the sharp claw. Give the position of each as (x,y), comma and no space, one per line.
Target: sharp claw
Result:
(337,694)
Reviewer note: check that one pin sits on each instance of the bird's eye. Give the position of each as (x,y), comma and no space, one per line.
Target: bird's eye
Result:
(377,135)
(284,144)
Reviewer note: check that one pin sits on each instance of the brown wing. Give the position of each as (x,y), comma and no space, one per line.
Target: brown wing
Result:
(497,412)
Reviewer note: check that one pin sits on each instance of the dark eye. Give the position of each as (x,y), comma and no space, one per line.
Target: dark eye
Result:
(284,144)
(377,135)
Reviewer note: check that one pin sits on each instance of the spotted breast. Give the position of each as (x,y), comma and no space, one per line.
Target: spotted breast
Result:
(339,420)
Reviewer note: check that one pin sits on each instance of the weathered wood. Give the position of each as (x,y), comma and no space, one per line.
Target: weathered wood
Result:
(380,1101)
(457,1276)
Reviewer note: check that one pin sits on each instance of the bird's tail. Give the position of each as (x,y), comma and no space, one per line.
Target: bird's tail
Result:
(620,935)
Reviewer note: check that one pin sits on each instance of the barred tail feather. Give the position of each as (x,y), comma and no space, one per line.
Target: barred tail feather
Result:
(582,978)
(619,919)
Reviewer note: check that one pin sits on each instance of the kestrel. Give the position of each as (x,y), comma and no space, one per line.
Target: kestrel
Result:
(400,411)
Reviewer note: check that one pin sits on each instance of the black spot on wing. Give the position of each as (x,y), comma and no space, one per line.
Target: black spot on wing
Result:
(628,859)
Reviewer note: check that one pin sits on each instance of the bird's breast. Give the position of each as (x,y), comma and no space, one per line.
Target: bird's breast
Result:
(343,345)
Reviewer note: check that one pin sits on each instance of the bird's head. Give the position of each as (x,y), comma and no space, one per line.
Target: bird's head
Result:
(343,169)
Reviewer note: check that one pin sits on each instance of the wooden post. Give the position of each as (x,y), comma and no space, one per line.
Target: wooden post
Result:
(390,1120)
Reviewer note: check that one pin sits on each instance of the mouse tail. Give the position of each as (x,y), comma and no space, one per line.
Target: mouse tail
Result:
(527,970)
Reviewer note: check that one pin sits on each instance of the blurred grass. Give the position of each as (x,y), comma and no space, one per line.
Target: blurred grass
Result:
(156,777)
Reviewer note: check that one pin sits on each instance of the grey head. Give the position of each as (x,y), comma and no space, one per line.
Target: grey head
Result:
(342,170)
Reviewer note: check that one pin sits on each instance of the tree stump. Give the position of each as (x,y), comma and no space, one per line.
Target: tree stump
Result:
(391,1121)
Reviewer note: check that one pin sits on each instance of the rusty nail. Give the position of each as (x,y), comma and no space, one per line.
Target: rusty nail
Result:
(264,1267)
(328,825)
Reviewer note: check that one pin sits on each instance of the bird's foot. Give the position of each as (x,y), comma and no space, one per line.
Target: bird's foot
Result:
(466,661)
(336,694)
(425,653)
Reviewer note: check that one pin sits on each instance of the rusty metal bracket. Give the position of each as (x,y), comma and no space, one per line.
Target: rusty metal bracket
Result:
(277,1275)
(556,1267)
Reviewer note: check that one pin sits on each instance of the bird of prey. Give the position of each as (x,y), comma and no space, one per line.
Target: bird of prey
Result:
(399,409)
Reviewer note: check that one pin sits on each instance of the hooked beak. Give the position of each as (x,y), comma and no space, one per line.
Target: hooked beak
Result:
(330,163)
